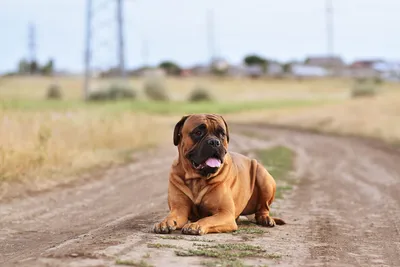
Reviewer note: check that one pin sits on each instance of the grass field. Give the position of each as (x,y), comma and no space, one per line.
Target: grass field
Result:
(41,138)
(34,88)
(376,117)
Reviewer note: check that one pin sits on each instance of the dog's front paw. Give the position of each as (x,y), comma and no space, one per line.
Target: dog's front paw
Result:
(266,221)
(165,227)
(193,229)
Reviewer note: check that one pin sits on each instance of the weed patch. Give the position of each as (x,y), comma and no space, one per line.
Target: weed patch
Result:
(279,162)
(249,231)
(141,263)
(158,245)
(193,239)
(224,263)
(229,251)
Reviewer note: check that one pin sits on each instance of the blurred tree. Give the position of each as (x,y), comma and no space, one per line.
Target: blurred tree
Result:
(171,68)
(23,66)
(48,69)
(255,60)
(287,67)
(33,67)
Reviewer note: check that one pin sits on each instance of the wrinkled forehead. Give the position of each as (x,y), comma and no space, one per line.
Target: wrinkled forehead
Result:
(210,120)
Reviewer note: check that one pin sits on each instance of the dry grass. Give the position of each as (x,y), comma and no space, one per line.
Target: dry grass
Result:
(36,144)
(226,88)
(45,139)
(376,117)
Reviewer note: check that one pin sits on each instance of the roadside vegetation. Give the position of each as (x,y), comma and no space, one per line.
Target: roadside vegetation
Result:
(48,132)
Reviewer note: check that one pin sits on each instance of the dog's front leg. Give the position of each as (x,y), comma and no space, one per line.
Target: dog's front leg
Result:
(218,223)
(222,208)
(180,206)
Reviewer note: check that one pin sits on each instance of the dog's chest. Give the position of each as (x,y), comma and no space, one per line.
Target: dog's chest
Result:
(198,187)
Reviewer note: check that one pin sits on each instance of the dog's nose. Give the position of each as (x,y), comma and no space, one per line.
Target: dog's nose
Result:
(214,142)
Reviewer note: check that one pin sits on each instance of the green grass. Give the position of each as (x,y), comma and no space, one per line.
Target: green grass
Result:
(281,189)
(245,222)
(229,251)
(158,245)
(279,162)
(141,263)
(178,237)
(153,107)
(224,263)
(249,231)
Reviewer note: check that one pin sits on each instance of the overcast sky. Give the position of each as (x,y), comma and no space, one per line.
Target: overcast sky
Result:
(176,29)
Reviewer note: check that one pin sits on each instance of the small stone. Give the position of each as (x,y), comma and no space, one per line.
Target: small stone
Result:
(74,255)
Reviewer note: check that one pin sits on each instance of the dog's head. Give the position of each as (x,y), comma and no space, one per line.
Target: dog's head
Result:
(202,141)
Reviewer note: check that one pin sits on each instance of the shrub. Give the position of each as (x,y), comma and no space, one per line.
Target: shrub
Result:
(54,92)
(98,96)
(378,80)
(114,92)
(364,87)
(200,94)
(155,89)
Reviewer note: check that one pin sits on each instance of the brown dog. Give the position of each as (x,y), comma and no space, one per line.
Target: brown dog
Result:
(211,187)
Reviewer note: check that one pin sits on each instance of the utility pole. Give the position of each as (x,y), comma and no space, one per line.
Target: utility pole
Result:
(95,10)
(329,36)
(145,53)
(329,27)
(210,34)
(121,47)
(32,46)
(88,48)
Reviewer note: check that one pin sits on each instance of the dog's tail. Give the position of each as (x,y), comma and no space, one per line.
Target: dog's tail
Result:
(279,221)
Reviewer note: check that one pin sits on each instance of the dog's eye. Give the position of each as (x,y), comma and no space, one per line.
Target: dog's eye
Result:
(198,133)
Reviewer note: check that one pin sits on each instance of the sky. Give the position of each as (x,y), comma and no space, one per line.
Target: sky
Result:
(157,30)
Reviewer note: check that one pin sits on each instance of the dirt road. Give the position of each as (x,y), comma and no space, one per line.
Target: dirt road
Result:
(344,210)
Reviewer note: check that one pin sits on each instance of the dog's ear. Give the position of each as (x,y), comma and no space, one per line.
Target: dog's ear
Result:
(178,130)
(227,129)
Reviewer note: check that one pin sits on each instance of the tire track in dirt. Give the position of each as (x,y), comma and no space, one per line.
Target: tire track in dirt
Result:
(353,200)
(31,225)
(344,210)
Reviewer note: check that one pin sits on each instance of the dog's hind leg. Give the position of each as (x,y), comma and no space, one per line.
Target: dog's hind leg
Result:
(267,187)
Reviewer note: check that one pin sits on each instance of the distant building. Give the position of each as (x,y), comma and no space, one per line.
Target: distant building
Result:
(366,64)
(254,71)
(331,62)
(219,64)
(236,71)
(301,70)
(186,73)
(366,68)
(154,73)
(200,70)
(390,70)
(275,69)
(147,72)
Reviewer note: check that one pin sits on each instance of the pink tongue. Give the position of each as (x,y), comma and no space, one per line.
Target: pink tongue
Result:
(213,163)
